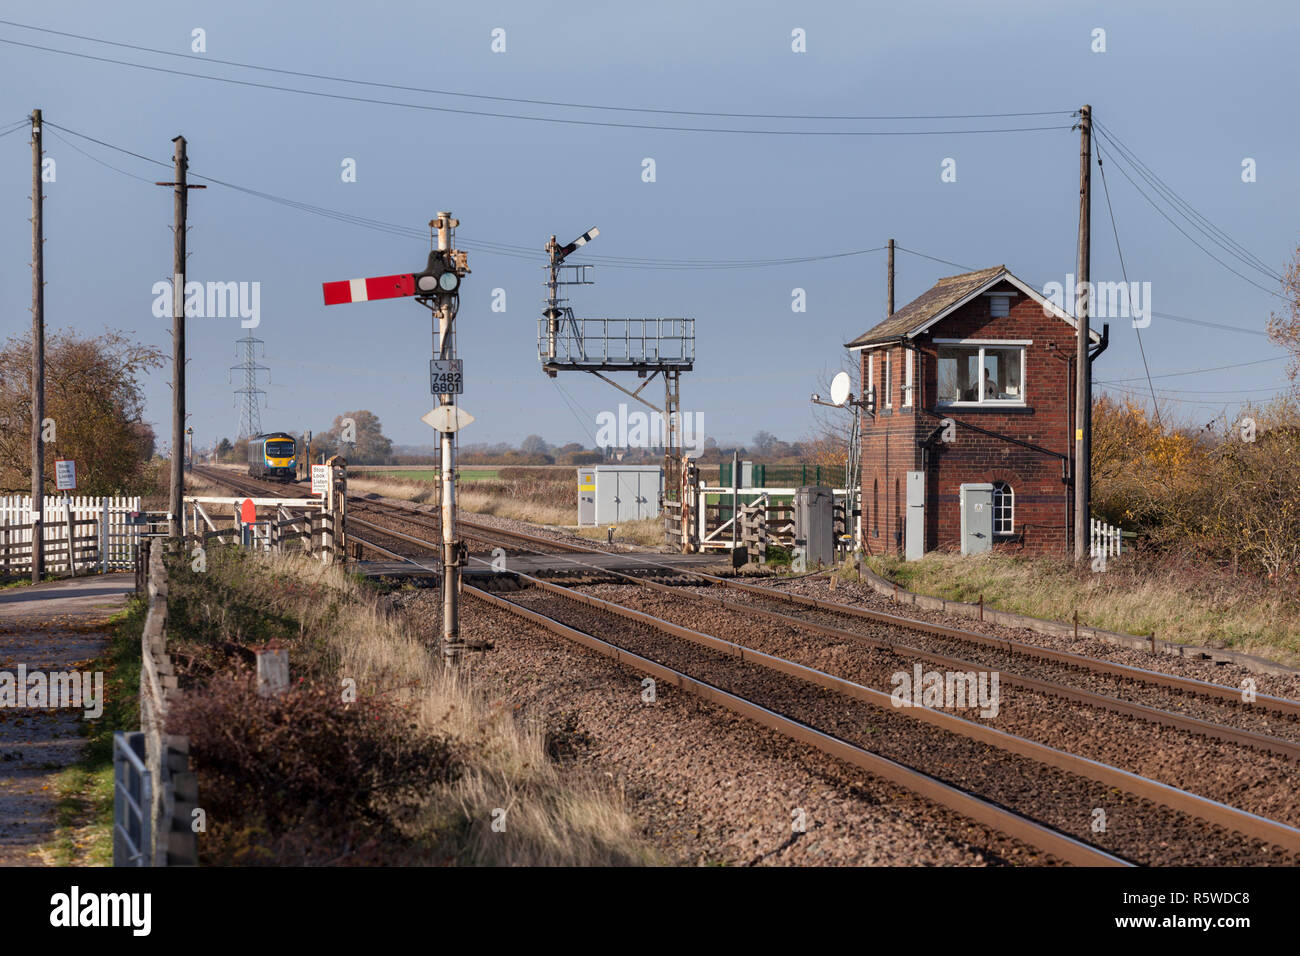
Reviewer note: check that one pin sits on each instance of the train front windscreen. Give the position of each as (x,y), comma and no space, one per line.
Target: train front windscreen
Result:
(279,449)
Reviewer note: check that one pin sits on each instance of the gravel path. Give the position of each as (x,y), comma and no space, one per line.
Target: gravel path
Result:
(48,627)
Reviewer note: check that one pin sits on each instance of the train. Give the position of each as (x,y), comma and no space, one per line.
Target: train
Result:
(273,456)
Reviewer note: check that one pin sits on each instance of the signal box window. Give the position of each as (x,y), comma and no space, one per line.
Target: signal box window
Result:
(981,375)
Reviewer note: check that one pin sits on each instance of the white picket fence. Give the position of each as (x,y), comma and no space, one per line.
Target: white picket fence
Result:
(1105,539)
(103,540)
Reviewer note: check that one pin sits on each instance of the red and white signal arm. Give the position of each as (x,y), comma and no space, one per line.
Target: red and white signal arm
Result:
(320,479)
(363,290)
(65,474)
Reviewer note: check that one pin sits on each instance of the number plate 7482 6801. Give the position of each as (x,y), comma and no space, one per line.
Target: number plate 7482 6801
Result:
(446,377)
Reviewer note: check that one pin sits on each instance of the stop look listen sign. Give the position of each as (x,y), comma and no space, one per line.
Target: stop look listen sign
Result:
(65,474)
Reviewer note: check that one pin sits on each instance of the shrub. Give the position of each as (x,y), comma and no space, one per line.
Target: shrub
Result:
(304,777)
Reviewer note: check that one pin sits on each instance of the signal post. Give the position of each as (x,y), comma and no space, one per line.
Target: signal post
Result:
(437,288)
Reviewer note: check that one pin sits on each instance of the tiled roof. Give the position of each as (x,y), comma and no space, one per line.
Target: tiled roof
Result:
(942,295)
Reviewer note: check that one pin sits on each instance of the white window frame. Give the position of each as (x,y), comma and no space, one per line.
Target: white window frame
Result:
(981,344)
(907,377)
(887,379)
(1009,495)
(871,376)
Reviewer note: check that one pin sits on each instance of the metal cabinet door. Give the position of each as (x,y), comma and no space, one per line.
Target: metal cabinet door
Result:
(976,518)
(914,528)
(586,496)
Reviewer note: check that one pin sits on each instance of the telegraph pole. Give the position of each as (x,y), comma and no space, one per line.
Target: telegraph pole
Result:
(180,208)
(1083,364)
(38,356)
(890,303)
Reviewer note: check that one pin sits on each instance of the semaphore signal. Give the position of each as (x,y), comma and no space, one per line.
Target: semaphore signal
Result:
(436,287)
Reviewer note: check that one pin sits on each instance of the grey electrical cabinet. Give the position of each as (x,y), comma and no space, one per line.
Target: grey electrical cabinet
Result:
(586,496)
(914,527)
(612,494)
(814,523)
(976,518)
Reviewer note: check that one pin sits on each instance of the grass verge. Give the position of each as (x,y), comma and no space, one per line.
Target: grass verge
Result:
(83,833)
(1180,599)
(376,755)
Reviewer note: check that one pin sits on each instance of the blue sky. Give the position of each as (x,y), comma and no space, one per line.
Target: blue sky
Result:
(1191,88)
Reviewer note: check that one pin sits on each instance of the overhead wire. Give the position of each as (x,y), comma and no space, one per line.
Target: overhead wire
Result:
(1169,219)
(524,100)
(1197,371)
(1124,272)
(568,121)
(1204,225)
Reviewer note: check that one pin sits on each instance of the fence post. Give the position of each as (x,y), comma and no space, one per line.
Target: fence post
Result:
(72,537)
(103,535)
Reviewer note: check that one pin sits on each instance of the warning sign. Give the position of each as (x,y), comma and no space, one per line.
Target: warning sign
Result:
(320,479)
(65,474)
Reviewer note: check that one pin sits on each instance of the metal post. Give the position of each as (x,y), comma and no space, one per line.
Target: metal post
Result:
(452,647)
(1083,366)
(38,355)
(735,495)
(72,538)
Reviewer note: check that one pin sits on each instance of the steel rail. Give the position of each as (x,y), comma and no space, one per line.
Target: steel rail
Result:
(1265,742)
(1030,832)
(1211,811)
(1191,685)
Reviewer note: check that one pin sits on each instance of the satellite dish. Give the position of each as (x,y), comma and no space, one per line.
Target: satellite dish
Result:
(840,386)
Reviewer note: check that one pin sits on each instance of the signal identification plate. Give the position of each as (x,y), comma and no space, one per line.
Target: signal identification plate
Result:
(446,377)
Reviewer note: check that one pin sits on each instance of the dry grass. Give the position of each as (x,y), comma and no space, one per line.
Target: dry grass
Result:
(1137,594)
(520,507)
(553,816)
(646,531)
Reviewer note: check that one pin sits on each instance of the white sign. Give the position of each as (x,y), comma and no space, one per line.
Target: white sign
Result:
(446,377)
(65,474)
(447,418)
(320,479)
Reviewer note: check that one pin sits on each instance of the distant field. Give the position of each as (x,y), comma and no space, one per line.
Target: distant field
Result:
(429,474)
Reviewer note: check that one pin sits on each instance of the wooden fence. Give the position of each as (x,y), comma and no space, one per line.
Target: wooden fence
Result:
(773,508)
(79,534)
(155,792)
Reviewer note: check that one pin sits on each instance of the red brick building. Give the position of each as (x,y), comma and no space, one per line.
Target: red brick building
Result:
(972,384)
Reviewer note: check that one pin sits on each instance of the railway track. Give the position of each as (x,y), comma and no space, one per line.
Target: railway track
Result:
(1181,823)
(1268,723)
(1176,827)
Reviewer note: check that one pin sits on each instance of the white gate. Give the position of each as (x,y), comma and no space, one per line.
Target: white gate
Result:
(1106,540)
(101,537)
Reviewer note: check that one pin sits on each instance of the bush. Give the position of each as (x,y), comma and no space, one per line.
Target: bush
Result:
(303,777)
